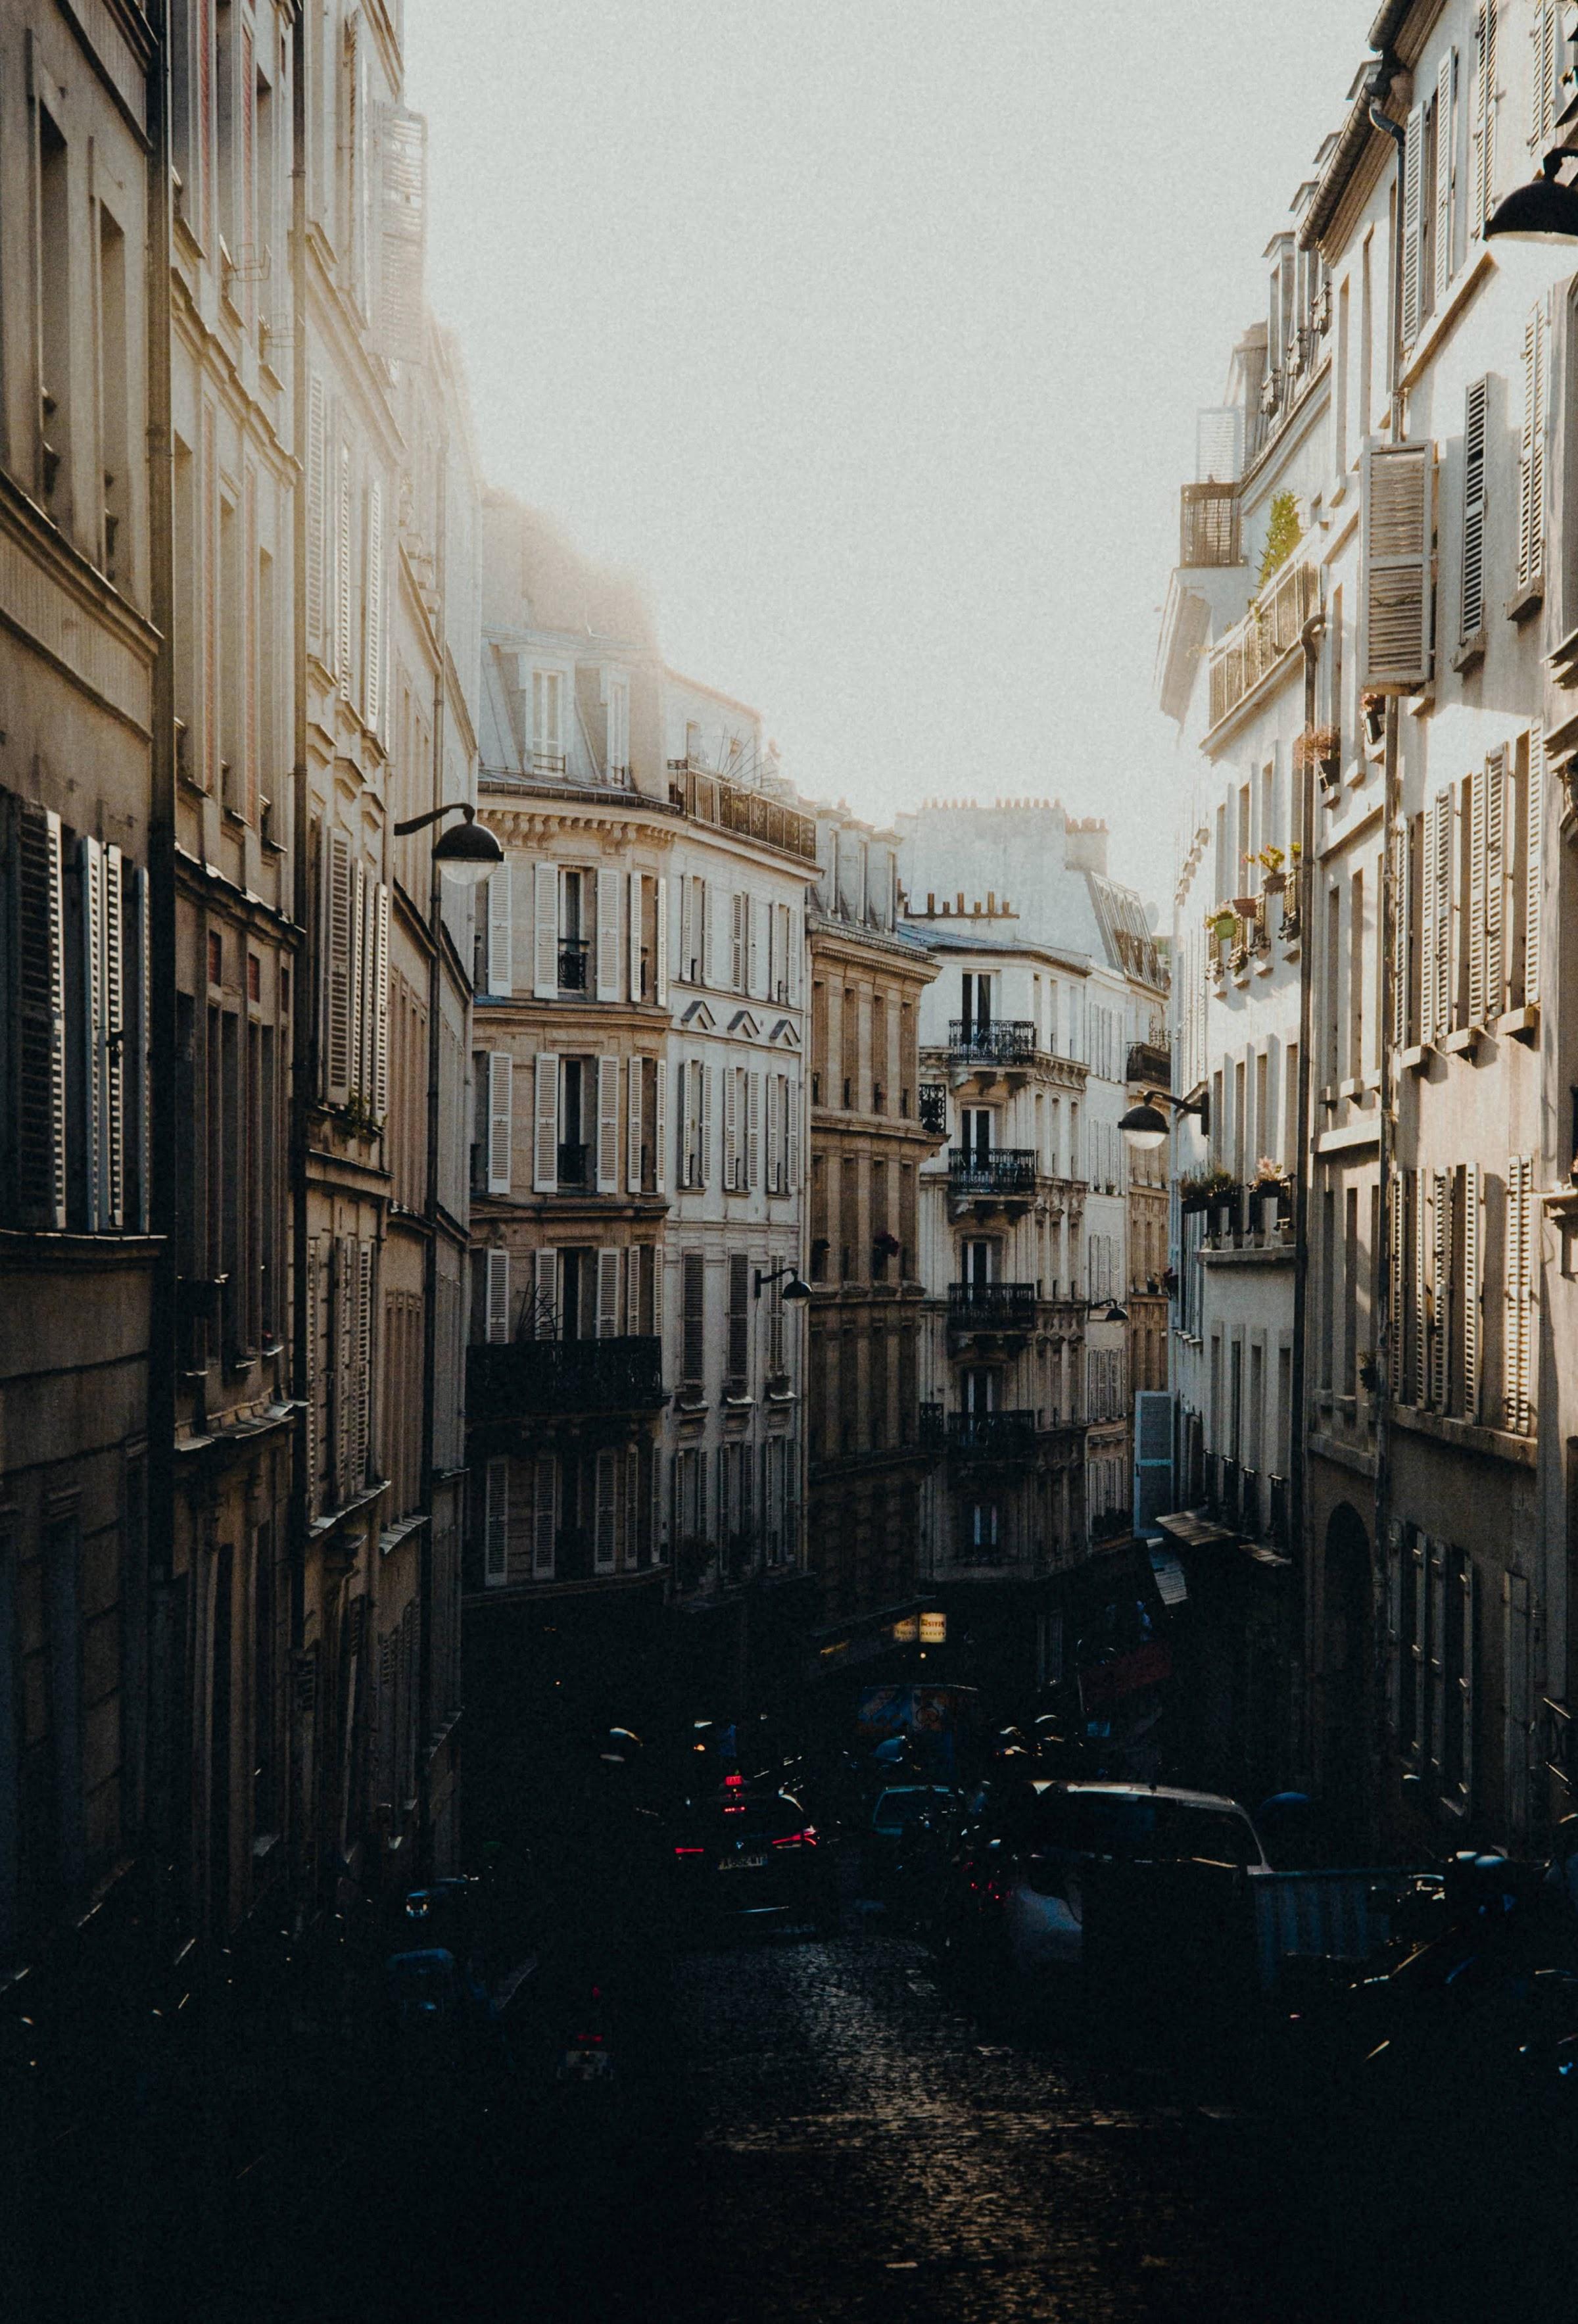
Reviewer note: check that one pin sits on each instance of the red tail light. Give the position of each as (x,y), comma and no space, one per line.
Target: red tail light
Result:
(690,1851)
(733,1783)
(805,1838)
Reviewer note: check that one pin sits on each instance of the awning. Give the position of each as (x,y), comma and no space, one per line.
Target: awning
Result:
(1171,1581)
(1192,1532)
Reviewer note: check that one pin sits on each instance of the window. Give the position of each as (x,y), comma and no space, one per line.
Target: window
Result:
(548,746)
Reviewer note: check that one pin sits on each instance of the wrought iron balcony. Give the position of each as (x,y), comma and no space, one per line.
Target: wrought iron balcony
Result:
(998,1170)
(524,1378)
(979,1436)
(1268,632)
(998,1041)
(991,1306)
(573,953)
(711,798)
(572,1161)
(1150,1063)
(1209,525)
(933,1112)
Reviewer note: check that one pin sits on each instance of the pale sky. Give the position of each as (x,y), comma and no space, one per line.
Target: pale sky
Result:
(872,333)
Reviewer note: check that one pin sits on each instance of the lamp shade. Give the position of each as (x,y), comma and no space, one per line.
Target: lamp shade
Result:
(1144,1126)
(1544,211)
(468,854)
(1116,1314)
(797,1287)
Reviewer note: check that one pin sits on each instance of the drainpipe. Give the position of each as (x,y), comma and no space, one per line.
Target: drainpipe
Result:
(302,1816)
(1311,638)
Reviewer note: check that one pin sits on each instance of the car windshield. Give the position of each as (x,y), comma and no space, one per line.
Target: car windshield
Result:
(1141,1830)
(906,1807)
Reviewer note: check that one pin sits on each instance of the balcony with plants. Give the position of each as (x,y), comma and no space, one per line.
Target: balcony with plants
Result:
(1287,592)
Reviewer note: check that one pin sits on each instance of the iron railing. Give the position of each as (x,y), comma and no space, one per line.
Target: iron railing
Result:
(573,953)
(995,1041)
(1208,525)
(572,1166)
(991,1306)
(525,1376)
(999,1170)
(933,1107)
(715,799)
(991,1435)
(1150,1063)
(1268,632)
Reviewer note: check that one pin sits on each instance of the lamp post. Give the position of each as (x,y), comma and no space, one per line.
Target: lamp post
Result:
(797,1287)
(1144,1126)
(468,855)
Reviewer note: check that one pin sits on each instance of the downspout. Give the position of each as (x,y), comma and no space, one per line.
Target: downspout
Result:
(301,1014)
(1311,638)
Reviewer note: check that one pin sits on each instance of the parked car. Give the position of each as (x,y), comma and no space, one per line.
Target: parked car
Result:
(752,1854)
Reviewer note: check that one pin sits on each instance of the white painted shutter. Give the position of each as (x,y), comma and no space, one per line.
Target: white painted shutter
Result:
(731,1127)
(1475,783)
(1531,471)
(498,1295)
(633,933)
(1440,1227)
(35,1010)
(609,883)
(1400,995)
(342,577)
(608,1125)
(792,1103)
(1495,883)
(402,212)
(1519,1263)
(1445,170)
(496,1524)
(138,1089)
(117,1033)
(373,662)
(545,1293)
(687,946)
(361,983)
(501,1122)
(753,1130)
(608,1294)
(381,1003)
(604,1550)
(544,1515)
(1413,207)
(317,509)
(90,1161)
(545,1136)
(660,1126)
(754,910)
(1396,1277)
(660,966)
(1442,907)
(545,930)
(1472,1241)
(703,905)
(775,1134)
(738,908)
(1421,1288)
(1472,588)
(632,1291)
(1484,121)
(796,944)
(633,1161)
(704,1124)
(1542,111)
(338,891)
(501,932)
(1534,867)
(1393,646)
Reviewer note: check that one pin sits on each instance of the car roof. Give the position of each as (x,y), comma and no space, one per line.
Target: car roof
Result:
(891,1791)
(1218,1799)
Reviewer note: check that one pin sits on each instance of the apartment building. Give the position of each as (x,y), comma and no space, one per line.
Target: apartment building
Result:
(84,1211)
(636,1376)
(873,1125)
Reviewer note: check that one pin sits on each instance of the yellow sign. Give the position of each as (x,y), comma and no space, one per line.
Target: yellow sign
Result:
(904,1631)
(934,1629)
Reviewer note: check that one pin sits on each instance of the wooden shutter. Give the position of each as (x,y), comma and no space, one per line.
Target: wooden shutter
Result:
(1397,1263)
(1428,922)
(1542,111)
(660,1125)
(1421,1352)
(500,1121)
(739,1361)
(1516,1259)
(731,1128)
(317,509)
(1531,473)
(792,1111)
(738,908)
(135,921)
(342,576)
(500,969)
(634,937)
(1471,580)
(704,1076)
(1401,939)
(687,949)
(373,664)
(608,1294)
(118,1036)
(498,1295)
(604,1552)
(545,1139)
(753,946)
(544,1515)
(637,1255)
(1413,212)
(1440,1254)
(1446,172)
(693,1317)
(753,1130)
(1441,904)
(608,1125)
(1394,647)
(496,1524)
(545,926)
(364,1358)
(380,1010)
(1495,784)
(704,906)
(1473,1242)
(633,1157)
(775,1085)
(402,233)
(545,1293)
(1475,784)
(660,966)
(88,1172)
(337,892)
(1484,120)
(609,883)
(1534,869)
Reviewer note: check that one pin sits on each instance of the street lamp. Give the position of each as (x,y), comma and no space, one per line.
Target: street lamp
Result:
(1111,1311)
(468,855)
(1536,226)
(1144,1126)
(795,1288)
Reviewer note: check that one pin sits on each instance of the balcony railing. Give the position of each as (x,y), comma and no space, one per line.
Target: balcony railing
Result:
(1281,1525)
(1150,1063)
(933,1107)
(573,953)
(999,1170)
(999,1041)
(526,1376)
(991,1306)
(988,1435)
(715,799)
(1209,529)
(573,1166)
(1268,631)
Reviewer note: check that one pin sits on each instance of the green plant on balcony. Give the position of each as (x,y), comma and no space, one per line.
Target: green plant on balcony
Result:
(1283,535)
(1199,1189)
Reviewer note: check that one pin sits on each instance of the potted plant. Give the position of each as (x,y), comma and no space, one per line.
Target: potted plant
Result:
(1326,749)
(1222,922)
(1246,906)
(1271,860)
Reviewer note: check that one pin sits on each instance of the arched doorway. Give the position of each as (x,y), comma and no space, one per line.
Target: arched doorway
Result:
(1346,1617)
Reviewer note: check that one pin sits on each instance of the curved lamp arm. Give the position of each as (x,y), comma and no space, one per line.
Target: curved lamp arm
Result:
(435,814)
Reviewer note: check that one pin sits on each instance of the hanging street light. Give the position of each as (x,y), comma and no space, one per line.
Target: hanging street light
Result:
(1144,1126)
(469,853)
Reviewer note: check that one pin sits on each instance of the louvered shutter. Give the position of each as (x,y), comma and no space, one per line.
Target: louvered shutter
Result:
(693,1316)
(342,577)
(608,1125)
(380,1012)
(608,1294)
(1531,474)
(112,1188)
(372,663)
(632,1291)
(337,888)
(1397,1266)
(364,1416)
(545,1140)
(630,1512)
(1519,1267)
(545,1293)
(545,925)
(402,211)
(752,947)
(501,932)
(501,1120)
(704,906)
(1475,784)
(658,1263)
(544,1515)
(89,1170)
(754,1130)
(1445,170)
(1401,939)
(1413,211)
(1393,646)
(498,1296)
(686,1114)
(775,1134)
(496,1524)
(731,1128)
(1495,781)
(1534,865)
(792,1108)
(604,1554)
(632,1162)
(609,883)
(1472,588)
(317,509)
(634,937)
(660,1126)
(688,950)
(1542,111)
(704,1074)
(738,908)
(1484,123)
(1471,1269)
(1440,1237)
(1421,1381)
(137,1061)
(359,980)
(1428,925)
(1441,904)
(660,940)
